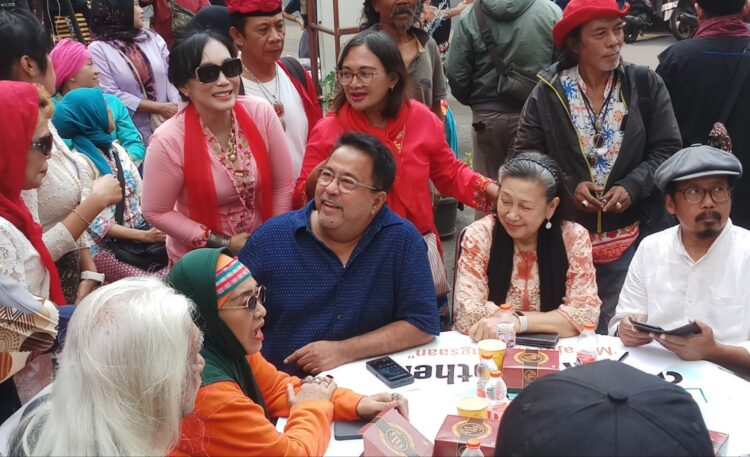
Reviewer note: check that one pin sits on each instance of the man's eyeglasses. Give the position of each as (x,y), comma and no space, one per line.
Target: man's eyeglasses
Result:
(345,77)
(44,144)
(346,184)
(694,194)
(252,301)
(210,72)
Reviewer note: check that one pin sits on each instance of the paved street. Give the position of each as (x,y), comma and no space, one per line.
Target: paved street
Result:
(642,52)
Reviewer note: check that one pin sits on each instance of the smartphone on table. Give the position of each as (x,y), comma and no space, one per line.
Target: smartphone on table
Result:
(347,430)
(388,371)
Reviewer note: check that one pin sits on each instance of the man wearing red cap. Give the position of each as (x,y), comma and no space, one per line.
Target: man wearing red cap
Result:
(258,30)
(609,124)
(701,74)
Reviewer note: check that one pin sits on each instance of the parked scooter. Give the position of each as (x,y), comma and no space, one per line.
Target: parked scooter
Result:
(642,15)
(681,17)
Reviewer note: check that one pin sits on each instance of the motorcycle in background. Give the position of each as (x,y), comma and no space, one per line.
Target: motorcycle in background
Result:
(681,17)
(642,15)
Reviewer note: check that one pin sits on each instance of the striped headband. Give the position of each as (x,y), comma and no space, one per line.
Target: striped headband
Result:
(228,278)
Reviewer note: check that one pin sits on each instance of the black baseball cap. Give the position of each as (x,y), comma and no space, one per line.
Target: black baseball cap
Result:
(604,408)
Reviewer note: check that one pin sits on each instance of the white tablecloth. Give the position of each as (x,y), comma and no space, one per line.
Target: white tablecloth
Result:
(444,373)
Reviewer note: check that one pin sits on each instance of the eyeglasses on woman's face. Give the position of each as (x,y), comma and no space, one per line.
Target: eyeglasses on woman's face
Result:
(209,73)
(346,184)
(43,144)
(251,304)
(365,77)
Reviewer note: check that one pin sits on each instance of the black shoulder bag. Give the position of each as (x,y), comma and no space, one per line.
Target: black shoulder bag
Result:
(146,256)
(513,82)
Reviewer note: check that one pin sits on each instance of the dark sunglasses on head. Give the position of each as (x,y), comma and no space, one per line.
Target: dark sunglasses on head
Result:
(210,72)
(44,144)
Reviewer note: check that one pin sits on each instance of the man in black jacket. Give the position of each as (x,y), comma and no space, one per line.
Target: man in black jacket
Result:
(587,114)
(699,74)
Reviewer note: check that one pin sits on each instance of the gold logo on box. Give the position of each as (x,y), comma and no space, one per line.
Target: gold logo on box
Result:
(469,429)
(396,439)
(538,358)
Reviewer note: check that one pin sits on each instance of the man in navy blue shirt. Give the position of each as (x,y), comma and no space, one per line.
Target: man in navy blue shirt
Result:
(348,280)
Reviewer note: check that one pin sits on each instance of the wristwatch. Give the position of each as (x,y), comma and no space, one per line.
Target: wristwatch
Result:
(92,276)
(523,322)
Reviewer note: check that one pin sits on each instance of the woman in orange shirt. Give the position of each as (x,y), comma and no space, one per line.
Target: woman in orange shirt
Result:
(241,392)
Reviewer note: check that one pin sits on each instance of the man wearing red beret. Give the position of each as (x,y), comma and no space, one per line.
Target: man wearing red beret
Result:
(258,30)
(609,124)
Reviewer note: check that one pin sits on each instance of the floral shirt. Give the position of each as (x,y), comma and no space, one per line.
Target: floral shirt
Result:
(581,301)
(132,216)
(242,173)
(607,246)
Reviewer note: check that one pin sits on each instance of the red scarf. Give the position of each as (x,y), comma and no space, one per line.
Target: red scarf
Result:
(199,181)
(309,99)
(18,117)
(723,26)
(400,198)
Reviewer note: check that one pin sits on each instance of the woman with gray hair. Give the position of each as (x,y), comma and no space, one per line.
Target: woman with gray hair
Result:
(128,372)
(528,255)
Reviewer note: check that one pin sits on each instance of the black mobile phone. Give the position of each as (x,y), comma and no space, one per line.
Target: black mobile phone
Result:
(686,330)
(347,430)
(388,371)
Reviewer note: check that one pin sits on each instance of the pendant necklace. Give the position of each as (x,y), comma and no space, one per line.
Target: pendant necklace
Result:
(597,120)
(273,99)
(232,146)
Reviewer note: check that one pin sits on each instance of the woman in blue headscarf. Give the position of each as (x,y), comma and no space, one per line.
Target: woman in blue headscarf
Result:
(82,116)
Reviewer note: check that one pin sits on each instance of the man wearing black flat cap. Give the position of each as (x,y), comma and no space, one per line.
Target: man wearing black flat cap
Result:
(697,270)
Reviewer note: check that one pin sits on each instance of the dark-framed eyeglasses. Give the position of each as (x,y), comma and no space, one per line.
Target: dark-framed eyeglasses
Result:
(345,184)
(345,77)
(259,296)
(43,144)
(695,194)
(210,72)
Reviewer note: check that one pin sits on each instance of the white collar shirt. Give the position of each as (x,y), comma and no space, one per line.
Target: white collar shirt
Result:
(665,284)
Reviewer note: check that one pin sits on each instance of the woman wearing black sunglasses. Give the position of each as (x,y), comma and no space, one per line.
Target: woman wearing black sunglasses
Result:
(221,166)
(24,151)
(60,204)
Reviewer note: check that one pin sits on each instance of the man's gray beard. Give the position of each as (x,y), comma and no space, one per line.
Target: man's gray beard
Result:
(406,25)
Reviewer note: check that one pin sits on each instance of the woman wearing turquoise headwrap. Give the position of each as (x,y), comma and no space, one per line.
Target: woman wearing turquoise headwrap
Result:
(240,391)
(83,117)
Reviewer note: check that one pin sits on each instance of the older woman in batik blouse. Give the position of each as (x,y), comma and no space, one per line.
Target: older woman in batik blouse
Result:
(528,255)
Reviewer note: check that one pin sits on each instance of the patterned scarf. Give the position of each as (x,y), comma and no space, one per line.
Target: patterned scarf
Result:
(112,22)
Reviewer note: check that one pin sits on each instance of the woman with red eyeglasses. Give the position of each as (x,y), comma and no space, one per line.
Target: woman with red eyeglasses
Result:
(221,166)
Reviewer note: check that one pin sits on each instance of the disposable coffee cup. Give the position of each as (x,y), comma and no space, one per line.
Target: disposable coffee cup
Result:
(474,407)
(495,348)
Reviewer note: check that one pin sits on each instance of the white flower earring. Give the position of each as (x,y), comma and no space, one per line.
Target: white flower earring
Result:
(548,225)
